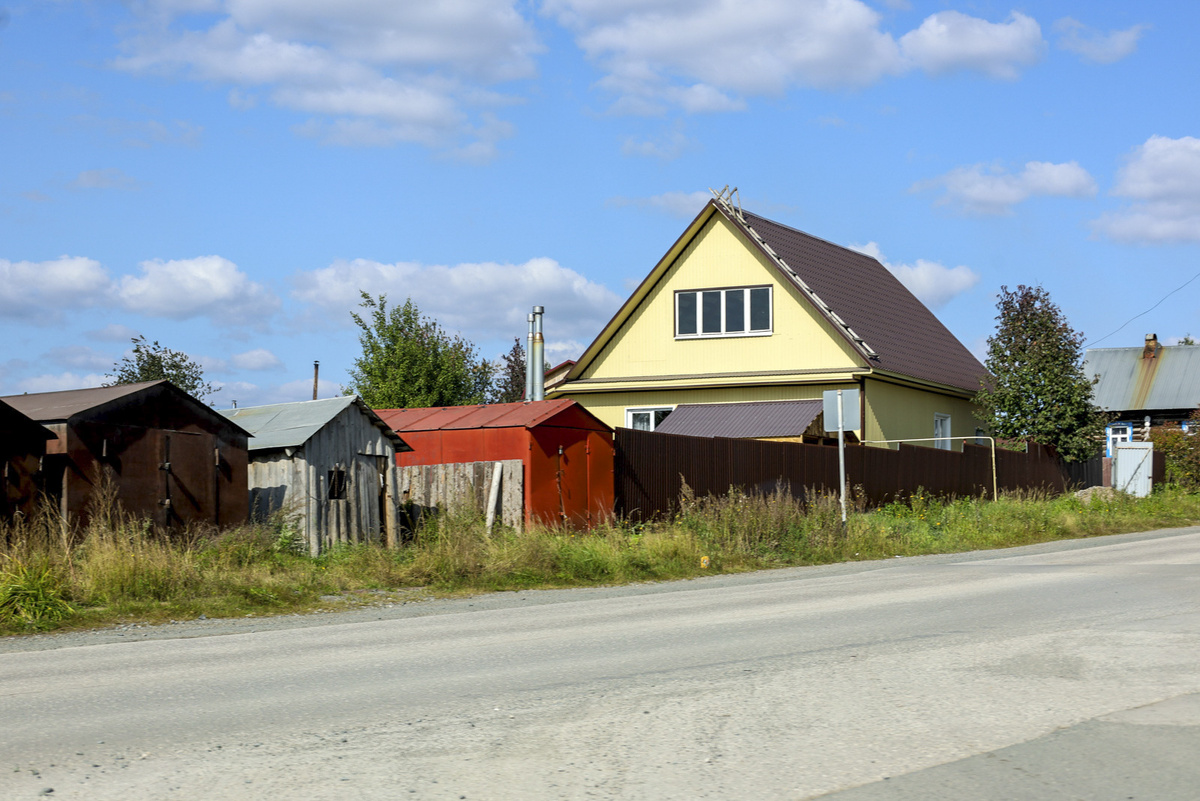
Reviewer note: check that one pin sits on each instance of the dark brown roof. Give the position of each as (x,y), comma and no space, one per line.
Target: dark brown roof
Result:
(65,404)
(741,420)
(14,424)
(888,318)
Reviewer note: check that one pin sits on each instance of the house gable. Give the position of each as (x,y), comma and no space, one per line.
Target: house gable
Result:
(717,255)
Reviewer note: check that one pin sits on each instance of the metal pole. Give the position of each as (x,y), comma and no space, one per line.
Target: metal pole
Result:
(537,356)
(316,372)
(529,359)
(842,455)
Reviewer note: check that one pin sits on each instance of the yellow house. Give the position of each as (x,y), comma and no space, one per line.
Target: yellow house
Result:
(742,310)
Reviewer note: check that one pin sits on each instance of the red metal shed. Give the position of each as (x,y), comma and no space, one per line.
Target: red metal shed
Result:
(567,453)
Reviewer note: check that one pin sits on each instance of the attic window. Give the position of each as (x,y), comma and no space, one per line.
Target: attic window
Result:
(732,312)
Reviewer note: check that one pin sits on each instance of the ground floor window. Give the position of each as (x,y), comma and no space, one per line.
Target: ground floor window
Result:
(1115,433)
(941,431)
(646,419)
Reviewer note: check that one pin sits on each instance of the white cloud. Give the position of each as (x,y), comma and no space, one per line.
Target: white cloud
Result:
(109,178)
(708,55)
(113,332)
(1094,46)
(934,284)
(80,357)
(483,301)
(684,205)
(991,190)
(950,41)
(372,72)
(33,289)
(1161,178)
(668,146)
(55,382)
(206,286)
(257,359)
(299,390)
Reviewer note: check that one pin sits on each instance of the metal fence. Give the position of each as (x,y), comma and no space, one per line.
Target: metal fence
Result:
(650,470)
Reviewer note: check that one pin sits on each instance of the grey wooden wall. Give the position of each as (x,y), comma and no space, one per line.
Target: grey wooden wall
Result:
(465,482)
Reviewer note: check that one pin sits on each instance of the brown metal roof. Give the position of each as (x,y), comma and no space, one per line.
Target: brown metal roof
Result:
(63,405)
(15,424)
(741,420)
(890,320)
(495,415)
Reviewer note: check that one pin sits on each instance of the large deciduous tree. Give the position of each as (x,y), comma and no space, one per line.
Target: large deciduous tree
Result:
(1038,391)
(408,360)
(150,361)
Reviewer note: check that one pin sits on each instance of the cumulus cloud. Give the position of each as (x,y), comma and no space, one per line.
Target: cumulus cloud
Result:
(208,286)
(992,190)
(933,283)
(684,205)
(42,289)
(56,382)
(113,332)
(370,72)
(80,357)
(108,178)
(483,301)
(1094,46)
(666,147)
(709,55)
(1161,179)
(257,359)
(951,41)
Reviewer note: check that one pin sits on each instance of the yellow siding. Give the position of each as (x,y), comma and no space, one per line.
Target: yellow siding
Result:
(610,407)
(897,412)
(720,257)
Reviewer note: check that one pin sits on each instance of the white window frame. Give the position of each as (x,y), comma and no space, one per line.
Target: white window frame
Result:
(631,411)
(942,441)
(723,334)
(1115,433)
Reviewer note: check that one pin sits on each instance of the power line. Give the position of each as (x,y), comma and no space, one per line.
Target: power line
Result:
(1147,311)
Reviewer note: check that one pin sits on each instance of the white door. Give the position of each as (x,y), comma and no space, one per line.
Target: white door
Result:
(1132,465)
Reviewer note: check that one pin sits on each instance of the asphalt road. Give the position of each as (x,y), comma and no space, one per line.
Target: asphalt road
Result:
(1069,670)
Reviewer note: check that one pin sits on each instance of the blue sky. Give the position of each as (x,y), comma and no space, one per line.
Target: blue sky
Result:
(224,176)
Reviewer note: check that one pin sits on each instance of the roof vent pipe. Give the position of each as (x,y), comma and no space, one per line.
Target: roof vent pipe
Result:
(528,359)
(1152,347)
(537,356)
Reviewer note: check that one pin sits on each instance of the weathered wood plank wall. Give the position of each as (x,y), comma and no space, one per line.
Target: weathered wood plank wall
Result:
(445,485)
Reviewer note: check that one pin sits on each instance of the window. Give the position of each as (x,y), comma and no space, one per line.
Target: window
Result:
(1115,433)
(646,419)
(337,484)
(737,312)
(941,431)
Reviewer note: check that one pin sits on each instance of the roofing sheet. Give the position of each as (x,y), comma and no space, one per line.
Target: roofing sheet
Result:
(526,414)
(907,336)
(14,422)
(65,404)
(741,420)
(290,425)
(1129,382)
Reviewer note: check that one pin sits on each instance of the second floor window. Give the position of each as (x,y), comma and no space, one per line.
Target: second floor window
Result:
(736,312)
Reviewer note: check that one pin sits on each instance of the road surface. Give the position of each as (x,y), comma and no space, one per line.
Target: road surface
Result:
(1065,670)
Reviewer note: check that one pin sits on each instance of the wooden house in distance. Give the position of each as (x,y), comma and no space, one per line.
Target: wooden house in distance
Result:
(173,460)
(22,446)
(331,463)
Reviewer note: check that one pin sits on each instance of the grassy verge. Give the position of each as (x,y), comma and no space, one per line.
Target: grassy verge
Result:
(119,570)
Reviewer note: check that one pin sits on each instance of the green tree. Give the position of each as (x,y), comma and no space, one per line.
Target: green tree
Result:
(408,360)
(150,361)
(1038,391)
(509,381)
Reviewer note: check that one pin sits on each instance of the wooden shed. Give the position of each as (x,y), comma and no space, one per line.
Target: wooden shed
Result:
(329,463)
(566,453)
(22,446)
(172,459)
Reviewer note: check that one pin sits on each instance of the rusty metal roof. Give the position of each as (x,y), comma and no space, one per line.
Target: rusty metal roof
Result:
(290,425)
(1170,380)
(741,420)
(526,414)
(905,336)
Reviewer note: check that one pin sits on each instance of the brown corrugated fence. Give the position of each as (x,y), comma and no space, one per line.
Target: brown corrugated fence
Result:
(650,470)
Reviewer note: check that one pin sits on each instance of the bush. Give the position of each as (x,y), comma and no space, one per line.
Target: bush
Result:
(1182,454)
(31,595)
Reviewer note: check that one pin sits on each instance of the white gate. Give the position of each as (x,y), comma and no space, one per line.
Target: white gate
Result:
(1132,467)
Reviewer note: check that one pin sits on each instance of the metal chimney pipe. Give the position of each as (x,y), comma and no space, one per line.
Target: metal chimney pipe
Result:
(316,372)
(529,360)
(537,355)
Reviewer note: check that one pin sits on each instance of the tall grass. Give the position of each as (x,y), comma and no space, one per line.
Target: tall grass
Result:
(120,568)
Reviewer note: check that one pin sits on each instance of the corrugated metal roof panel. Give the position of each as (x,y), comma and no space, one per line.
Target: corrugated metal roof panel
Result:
(741,420)
(1128,382)
(290,425)
(496,415)
(63,405)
